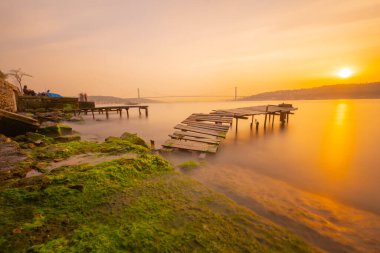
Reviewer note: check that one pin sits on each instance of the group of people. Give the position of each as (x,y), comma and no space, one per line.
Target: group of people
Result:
(29,92)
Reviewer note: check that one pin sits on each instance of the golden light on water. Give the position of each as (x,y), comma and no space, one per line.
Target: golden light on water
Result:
(345,73)
(338,144)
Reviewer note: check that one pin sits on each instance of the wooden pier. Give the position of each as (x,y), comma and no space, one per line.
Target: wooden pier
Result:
(204,132)
(109,109)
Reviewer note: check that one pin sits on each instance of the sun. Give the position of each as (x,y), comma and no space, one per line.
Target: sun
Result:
(344,73)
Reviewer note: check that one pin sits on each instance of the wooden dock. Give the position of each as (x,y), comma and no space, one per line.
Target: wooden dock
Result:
(108,109)
(204,132)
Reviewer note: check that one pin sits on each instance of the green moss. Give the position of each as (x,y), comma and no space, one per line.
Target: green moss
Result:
(112,145)
(188,165)
(55,130)
(127,205)
(33,138)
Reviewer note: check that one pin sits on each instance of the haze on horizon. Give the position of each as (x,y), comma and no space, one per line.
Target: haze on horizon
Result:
(189,47)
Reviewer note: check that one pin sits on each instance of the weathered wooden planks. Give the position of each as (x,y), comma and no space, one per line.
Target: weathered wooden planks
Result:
(189,138)
(201,130)
(209,126)
(191,145)
(197,135)
(210,118)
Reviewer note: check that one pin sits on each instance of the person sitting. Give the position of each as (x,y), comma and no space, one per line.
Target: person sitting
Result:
(28,92)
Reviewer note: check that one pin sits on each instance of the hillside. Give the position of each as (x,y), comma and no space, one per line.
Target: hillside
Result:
(117,100)
(339,91)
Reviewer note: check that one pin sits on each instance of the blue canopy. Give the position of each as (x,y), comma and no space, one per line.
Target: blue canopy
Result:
(53,95)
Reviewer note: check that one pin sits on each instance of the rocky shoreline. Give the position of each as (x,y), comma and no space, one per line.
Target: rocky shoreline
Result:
(117,195)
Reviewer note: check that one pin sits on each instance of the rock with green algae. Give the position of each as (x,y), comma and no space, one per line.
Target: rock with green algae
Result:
(67,138)
(33,138)
(132,138)
(55,130)
(189,165)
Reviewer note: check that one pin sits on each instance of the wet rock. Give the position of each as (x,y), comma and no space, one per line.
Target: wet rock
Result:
(75,119)
(133,138)
(33,138)
(10,154)
(68,138)
(55,130)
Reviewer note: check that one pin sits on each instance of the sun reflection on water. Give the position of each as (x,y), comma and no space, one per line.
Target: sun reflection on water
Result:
(338,144)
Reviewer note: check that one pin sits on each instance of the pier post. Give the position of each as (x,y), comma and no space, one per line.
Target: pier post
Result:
(237,119)
(265,120)
(146,112)
(92,112)
(252,122)
(140,111)
(273,119)
(121,112)
(152,145)
(127,109)
(282,118)
(107,114)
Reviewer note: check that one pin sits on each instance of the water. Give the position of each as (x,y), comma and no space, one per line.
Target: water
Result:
(319,173)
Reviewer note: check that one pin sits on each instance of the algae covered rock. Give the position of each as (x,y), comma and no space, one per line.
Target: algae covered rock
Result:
(133,138)
(68,138)
(54,130)
(33,138)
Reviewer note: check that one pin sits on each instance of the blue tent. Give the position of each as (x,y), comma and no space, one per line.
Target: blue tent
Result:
(53,95)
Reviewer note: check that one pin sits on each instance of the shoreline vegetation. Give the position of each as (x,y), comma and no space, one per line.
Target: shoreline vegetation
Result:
(131,201)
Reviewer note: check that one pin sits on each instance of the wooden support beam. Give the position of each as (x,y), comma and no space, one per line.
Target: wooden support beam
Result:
(107,113)
(265,121)
(146,112)
(92,112)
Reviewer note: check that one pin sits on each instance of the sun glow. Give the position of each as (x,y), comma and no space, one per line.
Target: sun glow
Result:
(344,73)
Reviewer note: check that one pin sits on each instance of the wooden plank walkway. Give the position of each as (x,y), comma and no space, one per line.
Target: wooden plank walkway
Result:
(203,132)
(191,145)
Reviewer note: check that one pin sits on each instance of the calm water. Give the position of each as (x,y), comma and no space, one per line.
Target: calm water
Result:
(329,147)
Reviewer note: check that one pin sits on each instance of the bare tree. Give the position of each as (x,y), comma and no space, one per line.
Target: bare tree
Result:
(18,74)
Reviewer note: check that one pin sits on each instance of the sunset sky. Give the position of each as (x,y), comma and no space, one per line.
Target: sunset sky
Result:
(189,47)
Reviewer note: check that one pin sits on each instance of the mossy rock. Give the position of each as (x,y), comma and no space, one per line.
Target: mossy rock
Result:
(67,138)
(133,138)
(189,165)
(34,138)
(56,130)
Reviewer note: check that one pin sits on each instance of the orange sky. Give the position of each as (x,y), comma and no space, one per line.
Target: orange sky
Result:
(189,47)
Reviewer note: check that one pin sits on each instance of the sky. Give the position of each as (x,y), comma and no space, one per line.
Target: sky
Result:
(172,47)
